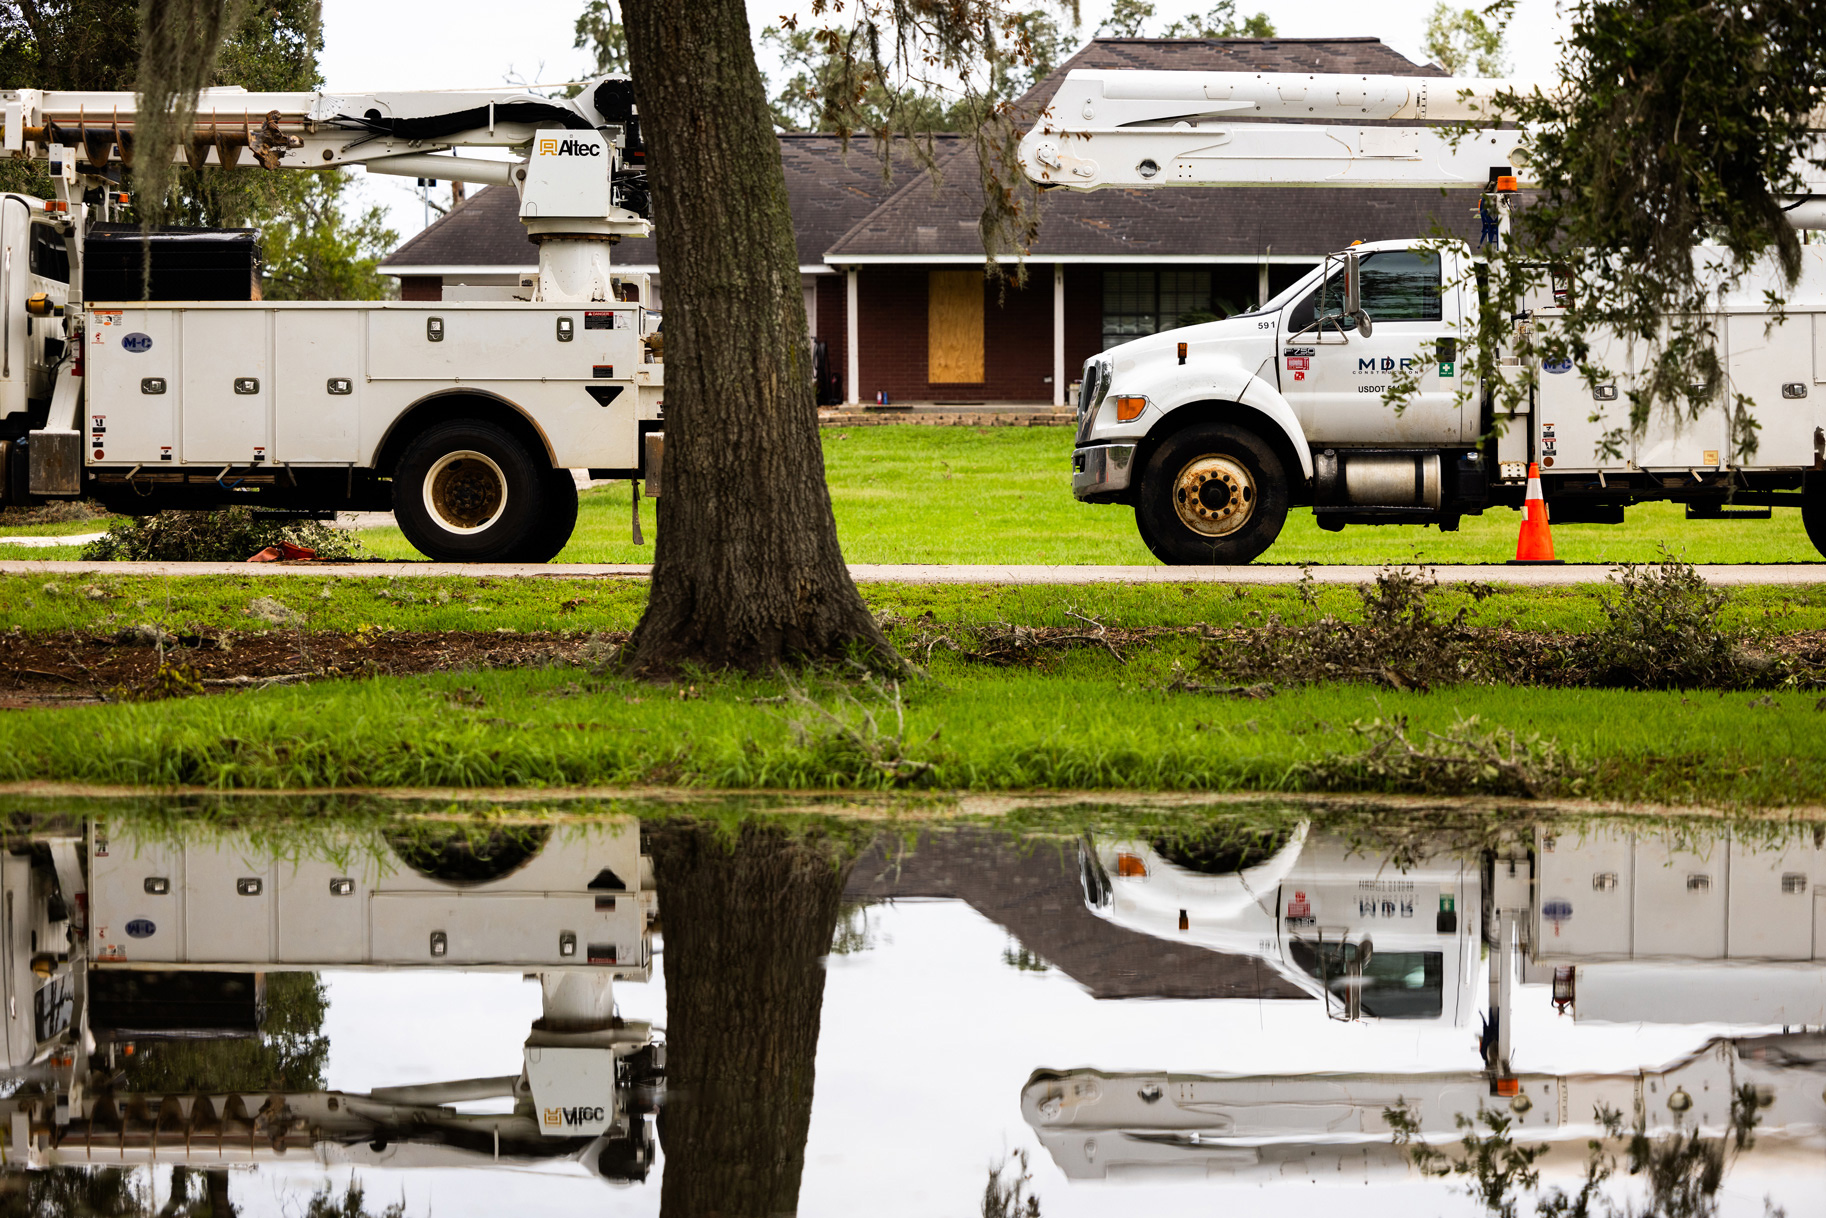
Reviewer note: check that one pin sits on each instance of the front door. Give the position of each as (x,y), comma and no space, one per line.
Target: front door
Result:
(1338,381)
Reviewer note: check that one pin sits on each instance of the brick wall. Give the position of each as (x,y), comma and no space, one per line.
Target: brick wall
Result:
(421,287)
(1017,333)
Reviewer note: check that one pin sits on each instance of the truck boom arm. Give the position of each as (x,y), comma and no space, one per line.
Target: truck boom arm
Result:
(1131,129)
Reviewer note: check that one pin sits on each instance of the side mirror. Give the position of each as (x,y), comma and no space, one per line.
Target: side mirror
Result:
(1353,294)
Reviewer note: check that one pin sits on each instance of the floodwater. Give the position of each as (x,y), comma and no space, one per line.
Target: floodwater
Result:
(258,1007)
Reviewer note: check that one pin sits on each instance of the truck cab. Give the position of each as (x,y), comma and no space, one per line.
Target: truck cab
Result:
(1368,941)
(1213,432)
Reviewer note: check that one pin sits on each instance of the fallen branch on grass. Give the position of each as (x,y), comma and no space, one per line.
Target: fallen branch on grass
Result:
(1467,759)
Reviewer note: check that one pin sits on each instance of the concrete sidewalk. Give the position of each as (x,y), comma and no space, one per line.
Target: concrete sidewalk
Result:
(1788,574)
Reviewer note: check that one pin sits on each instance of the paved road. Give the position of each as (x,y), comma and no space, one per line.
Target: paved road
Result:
(1540,577)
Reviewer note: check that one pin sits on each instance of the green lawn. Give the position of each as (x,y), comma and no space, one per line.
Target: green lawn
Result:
(1002,495)
(1089,725)
(913,494)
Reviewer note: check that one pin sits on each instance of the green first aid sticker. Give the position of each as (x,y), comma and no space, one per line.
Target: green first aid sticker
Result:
(1448,368)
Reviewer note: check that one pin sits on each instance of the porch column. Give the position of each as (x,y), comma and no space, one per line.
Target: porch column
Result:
(1058,334)
(853,340)
(1261,285)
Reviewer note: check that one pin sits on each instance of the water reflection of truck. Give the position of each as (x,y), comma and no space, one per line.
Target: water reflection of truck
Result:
(1628,924)
(1638,924)
(573,905)
(1364,937)
(1333,1126)
(1708,927)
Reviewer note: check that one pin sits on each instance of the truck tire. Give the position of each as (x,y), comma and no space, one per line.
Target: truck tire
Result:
(1813,511)
(468,491)
(560,520)
(1213,494)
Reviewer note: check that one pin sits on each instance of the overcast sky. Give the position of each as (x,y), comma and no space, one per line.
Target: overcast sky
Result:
(450,44)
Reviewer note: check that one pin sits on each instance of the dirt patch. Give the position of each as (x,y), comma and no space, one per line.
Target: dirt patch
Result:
(77,668)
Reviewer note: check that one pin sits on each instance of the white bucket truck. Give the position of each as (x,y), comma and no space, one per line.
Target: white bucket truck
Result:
(572,908)
(1214,432)
(182,389)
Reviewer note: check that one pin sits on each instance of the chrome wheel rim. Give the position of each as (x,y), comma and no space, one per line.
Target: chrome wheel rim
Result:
(1214,495)
(465,492)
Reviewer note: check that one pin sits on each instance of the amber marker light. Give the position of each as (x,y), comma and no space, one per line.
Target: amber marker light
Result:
(1505,184)
(1129,409)
(1131,864)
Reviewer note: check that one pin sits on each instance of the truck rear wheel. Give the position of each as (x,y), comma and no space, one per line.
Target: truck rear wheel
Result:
(1813,511)
(468,491)
(1213,494)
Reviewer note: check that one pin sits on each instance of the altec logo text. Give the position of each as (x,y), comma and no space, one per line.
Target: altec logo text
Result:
(572,1116)
(568,148)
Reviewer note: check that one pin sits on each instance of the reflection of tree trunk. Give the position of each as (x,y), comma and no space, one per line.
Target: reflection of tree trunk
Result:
(746,931)
(216,1184)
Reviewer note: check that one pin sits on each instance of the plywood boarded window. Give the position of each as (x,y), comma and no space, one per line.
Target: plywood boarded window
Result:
(954,327)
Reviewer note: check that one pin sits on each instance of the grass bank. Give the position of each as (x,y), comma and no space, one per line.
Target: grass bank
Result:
(105,603)
(1089,724)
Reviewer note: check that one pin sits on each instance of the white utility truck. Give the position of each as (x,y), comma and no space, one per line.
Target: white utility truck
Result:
(1615,923)
(182,389)
(1214,432)
(152,922)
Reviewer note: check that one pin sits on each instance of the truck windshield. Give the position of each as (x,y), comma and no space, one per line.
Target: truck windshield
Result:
(1396,985)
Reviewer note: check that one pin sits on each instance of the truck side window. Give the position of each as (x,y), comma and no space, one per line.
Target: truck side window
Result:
(48,256)
(1401,285)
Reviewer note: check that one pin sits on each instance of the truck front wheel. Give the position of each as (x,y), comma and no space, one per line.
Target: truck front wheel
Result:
(1213,494)
(468,491)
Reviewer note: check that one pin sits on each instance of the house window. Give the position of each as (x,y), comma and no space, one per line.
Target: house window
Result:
(1145,302)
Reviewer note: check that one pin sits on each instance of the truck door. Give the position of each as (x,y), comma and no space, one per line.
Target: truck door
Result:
(1338,388)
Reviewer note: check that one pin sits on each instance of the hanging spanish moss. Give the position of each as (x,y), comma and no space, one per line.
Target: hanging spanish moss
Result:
(179,40)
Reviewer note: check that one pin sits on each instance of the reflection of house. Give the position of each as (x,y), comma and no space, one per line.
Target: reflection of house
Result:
(1033,891)
(893,271)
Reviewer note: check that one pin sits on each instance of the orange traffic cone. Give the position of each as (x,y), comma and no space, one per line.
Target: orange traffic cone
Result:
(1535,545)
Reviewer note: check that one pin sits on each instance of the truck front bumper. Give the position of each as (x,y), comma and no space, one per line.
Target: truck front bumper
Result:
(1101,472)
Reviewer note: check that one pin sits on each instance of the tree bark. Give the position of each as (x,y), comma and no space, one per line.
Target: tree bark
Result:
(746,929)
(747,572)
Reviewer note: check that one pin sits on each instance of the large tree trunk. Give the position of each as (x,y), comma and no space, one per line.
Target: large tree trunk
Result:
(747,571)
(747,929)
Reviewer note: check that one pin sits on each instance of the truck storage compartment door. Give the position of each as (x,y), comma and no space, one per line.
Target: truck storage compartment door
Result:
(1680,900)
(1773,367)
(228,905)
(318,382)
(1770,900)
(1676,440)
(227,386)
(1583,885)
(519,929)
(1585,426)
(136,899)
(133,386)
(323,909)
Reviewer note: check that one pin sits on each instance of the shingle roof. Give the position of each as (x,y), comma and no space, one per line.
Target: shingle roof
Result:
(829,192)
(484,231)
(1214,222)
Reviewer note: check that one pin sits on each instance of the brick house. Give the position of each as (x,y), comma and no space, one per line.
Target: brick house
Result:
(893,269)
